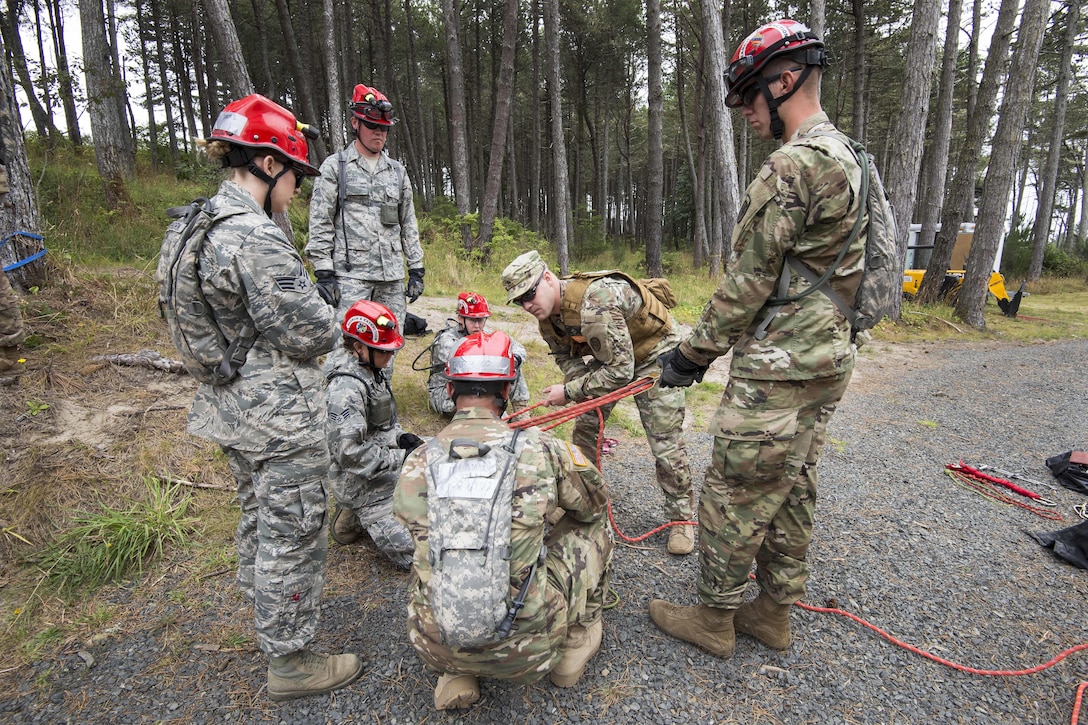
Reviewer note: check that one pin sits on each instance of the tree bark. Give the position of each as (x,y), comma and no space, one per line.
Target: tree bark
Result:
(817,17)
(167,102)
(221,25)
(561,196)
(505,94)
(337,107)
(655,172)
(19,206)
(910,127)
(9,23)
(109,129)
(1040,232)
(456,124)
(859,67)
(721,129)
(936,161)
(1005,148)
(534,148)
(298,72)
(961,192)
(64,75)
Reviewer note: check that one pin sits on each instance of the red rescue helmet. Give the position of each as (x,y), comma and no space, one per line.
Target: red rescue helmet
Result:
(373,325)
(781,38)
(471,304)
(484,357)
(256,122)
(370,104)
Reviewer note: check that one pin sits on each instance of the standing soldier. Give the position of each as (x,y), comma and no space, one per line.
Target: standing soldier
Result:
(269,418)
(363,230)
(605,330)
(472,314)
(365,438)
(493,512)
(789,369)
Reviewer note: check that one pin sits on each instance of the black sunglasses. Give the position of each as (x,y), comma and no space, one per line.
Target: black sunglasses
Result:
(748,95)
(530,294)
(376,126)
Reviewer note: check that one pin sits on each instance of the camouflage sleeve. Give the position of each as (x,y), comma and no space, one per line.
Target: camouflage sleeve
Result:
(409,230)
(323,203)
(349,442)
(445,342)
(282,301)
(410,507)
(605,329)
(580,487)
(519,395)
(773,214)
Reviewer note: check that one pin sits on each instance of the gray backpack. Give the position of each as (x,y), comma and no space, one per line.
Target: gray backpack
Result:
(205,351)
(470,491)
(882,279)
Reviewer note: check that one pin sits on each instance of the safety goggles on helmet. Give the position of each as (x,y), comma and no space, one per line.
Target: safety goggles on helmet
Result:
(483,356)
(472,305)
(373,325)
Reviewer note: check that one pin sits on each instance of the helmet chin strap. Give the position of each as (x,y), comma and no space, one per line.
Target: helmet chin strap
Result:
(270,180)
(778,128)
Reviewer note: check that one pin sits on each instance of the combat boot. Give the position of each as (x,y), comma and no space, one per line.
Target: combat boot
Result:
(578,648)
(346,528)
(766,620)
(709,627)
(454,692)
(681,539)
(305,673)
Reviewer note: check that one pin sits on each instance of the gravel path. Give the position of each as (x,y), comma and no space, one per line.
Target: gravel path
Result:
(896,543)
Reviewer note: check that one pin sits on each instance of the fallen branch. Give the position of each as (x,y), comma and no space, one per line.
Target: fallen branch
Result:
(935,317)
(194,484)
(144,359)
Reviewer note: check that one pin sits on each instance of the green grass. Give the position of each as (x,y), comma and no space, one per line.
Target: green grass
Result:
(108,545)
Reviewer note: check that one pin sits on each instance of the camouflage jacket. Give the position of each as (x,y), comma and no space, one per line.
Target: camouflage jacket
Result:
(375,251)
(251,274)
(804,201)
(362,432)
(550,473)
(442,349)
(609,361)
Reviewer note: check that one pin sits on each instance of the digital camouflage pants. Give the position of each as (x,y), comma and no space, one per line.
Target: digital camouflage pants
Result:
(282,540)
(662,413)
(759,498)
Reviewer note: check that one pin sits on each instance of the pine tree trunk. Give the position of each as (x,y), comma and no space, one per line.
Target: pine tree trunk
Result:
(1040,232)
(561,196)
(902,176)
(721,129)
(655,153)
(502,123)
(961,192)
(64,75)
(858,7)
(456,123)
(1005,148)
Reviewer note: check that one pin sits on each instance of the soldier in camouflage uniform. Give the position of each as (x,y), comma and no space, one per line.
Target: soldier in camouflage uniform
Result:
(559,498)
(366,441)
(789,369)
(472,314)
(270,419)
(363,229)
(605,330)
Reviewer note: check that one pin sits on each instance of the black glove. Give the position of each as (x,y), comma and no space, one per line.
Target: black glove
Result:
(415,284)
(677,371)
(328,287)
(409,442)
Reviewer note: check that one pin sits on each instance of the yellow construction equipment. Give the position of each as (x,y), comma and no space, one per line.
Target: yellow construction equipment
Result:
(953,282)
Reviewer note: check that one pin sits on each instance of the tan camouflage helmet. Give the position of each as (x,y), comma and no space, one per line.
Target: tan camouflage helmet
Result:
(522,274)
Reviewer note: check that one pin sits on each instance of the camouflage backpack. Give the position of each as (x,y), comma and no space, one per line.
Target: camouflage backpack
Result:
(881,280)
(206,352)
(470,490)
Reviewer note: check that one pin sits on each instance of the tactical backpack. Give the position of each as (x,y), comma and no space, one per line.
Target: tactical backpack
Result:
(469,510)
(881,280)
(205,351)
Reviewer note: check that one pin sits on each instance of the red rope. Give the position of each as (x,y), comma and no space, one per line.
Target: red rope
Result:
(977,474)
(1076,703)
(990,491)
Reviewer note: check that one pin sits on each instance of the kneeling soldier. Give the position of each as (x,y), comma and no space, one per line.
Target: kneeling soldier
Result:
(499,591)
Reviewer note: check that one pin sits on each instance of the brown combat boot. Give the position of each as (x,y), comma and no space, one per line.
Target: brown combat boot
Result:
(346,528)
(681,539)
(578,648)
(709,627)
(305,673)
(766,620)
(454,692)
